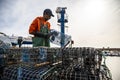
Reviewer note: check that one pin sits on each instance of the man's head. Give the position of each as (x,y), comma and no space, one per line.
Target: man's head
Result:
(47,14)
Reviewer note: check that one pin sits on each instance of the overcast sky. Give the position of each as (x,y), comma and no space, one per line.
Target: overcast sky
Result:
(91,23)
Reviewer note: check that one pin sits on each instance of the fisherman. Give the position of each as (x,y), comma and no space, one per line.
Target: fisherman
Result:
(40,28)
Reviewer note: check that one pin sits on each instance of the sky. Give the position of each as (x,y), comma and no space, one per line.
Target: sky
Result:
(91,23)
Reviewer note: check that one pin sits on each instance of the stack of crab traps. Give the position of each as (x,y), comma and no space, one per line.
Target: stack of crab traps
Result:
(52,63)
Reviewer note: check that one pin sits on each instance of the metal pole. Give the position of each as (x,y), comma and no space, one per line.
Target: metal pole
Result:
(62,27)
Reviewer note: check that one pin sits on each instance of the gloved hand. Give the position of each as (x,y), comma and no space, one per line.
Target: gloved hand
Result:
(54,33)
(40,34)
(44,35)
(47,35)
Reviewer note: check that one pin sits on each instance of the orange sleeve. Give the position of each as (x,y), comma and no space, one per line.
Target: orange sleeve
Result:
(34,26)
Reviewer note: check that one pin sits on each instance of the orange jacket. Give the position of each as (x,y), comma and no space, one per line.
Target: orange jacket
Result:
(36,24)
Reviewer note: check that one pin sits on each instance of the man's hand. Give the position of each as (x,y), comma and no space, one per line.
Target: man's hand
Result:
(44,35)
(54,33)
(40,34)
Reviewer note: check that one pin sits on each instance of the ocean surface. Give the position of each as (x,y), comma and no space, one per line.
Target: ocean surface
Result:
(113,63)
